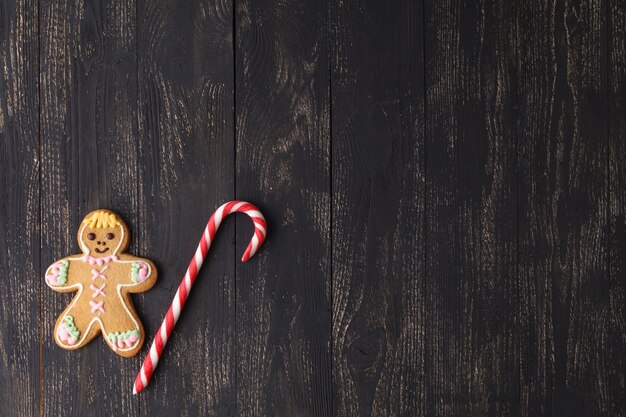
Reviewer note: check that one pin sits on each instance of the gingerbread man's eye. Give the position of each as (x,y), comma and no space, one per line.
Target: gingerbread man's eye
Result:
(91,236)
(110,236)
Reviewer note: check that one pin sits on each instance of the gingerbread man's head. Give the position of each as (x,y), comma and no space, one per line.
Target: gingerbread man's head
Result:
(103,233)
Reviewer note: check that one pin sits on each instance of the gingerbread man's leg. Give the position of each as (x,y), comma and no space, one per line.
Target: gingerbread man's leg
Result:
(123,332)
(74,329)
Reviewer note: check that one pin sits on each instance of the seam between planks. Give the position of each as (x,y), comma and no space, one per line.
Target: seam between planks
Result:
(39,151)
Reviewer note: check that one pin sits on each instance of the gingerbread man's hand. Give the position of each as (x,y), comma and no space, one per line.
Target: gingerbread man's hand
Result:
(139,271)
(141,275)
(57,276)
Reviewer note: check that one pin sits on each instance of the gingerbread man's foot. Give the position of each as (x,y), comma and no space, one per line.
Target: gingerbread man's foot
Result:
(67,333)
(127,340)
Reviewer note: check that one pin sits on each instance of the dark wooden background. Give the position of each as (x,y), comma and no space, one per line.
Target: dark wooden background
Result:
(444,181)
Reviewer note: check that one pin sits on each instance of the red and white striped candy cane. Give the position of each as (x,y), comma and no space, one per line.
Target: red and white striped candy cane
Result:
(260,229)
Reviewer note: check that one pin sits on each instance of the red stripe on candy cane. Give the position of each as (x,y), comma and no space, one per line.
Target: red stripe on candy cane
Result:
(173,313)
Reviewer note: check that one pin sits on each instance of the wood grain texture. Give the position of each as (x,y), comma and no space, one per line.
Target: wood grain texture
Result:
(614,327)
(444,183)
(379,318)
(89,161)
(562,180)
(19,210)
(470,301)
(186,147)
(283,165)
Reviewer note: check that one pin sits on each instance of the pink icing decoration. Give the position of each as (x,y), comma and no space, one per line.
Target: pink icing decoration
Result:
(129,342)
(98,291)
(143,271)
(99,261)
(65,336)
(53,275)
(98,274)
(96,306)
(52,279)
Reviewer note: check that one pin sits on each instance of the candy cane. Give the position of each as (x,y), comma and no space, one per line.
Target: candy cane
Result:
(260,229)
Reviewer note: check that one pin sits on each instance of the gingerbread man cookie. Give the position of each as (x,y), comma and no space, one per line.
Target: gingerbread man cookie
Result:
(104,277)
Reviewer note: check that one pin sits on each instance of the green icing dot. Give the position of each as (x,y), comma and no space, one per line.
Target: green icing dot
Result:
(62,277)
(71,328)
(115,336)
(134,272)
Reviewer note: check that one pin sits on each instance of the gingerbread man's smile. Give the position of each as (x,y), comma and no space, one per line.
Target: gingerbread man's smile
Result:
(101,251)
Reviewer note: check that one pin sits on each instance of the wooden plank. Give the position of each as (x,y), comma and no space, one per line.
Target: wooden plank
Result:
(186,146)
(613,365)
(88,148)
(378,208)
(471,354)
(19,210)
(283,165)
(562,168)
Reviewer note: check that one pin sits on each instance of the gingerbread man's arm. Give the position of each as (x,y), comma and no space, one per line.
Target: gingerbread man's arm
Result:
(58,276)
(138,274)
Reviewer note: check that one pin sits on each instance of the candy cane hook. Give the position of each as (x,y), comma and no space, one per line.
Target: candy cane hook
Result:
(260,229)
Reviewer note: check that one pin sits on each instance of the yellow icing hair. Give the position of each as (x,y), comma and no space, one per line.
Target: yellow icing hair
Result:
(100,219)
